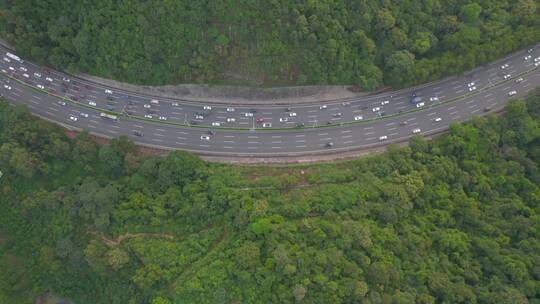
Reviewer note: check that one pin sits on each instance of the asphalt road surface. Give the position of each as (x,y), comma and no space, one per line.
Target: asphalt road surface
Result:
(266,130)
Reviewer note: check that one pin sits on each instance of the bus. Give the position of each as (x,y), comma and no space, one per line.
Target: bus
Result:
(109,116)
(14,57)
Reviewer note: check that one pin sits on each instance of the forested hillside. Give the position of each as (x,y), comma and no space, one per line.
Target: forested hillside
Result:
(367,42)
(455,220)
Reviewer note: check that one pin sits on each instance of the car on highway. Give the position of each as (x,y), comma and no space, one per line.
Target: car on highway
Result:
(358,117)
(147,106)
(199,117)
(137,133)
(487,109)
(162,118)
(283,119)
(537,64)
(7,87)
(61,102)
(504,66)
(292,114)
(7,59)
(154,101)
(175,104)
(107,91)
(507,76)
(74,98)
(66,79)
(519,80)
(300,125)
(512,93)
(147,116)
(92,103)
(216,124)
(384,137)
(267,125)
(329,144)
(337,114)
(345,103)
(416,131)
(26,75)
(49,79)
(230,109)
(23,69)
(537,59)
(4,71)
(420,104)
(73,118)
(528,57)
(438,119)
(472,88)
(11,68)
(471,84)
(85,115)
(38,75)
(207,108)
(376,109)
(259,120)
(248,114)
(231,119)
(434,98)
(205,137)
(323,107)
(403,123)
(385,102)
(41,86)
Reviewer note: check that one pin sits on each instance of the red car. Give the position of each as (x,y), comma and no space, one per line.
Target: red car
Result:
(260,120)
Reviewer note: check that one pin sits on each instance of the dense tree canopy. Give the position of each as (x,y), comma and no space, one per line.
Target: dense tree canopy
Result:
(454,220)
(277,42)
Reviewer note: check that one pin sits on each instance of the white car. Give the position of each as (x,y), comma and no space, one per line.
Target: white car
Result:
(11,68)
(384,137)
(323,107)
(416,131)
(504,66)
(41,86)
(162,118)
(207,108)
(92,103)
(107,91)
(73,118)
(147,116)
(66,79)
(267,125)
(438,119)
(470,84)
(434,99)
(506,76)
(216,124)
(23,69)
(230,119)
(537,64)
(420,104)
(6,59)
(199,117)
(38,75)
(7,87)
(472,88)
(175,104)
(62,103)
(4,71)
(519,80)
(376,109)
(85,115)
(49,79)
(512,93)
(26,75)
(205,137)
(358,117)
(284,119)
(248,114)
(292,114)
(385,102)
(527,57)
(147,106)
(230,109)
(154,101)
(537,59)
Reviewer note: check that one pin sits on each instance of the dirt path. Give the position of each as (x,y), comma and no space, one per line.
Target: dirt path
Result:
(119,239)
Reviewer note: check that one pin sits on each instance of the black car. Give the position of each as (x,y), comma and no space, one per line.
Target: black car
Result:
(138,133)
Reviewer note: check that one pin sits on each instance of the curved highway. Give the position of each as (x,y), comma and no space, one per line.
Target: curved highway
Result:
(267,130)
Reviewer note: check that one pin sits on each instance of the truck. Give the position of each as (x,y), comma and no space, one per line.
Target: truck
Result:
(14,57)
